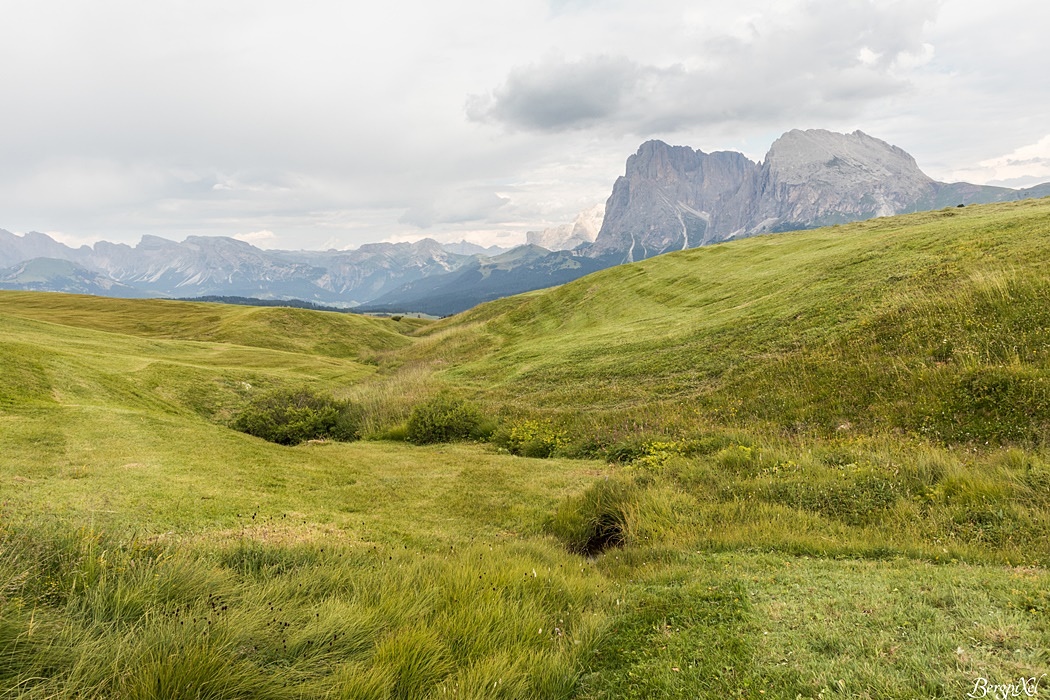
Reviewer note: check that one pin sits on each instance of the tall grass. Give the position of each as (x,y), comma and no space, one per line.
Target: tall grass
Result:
(88,614)
(388,401)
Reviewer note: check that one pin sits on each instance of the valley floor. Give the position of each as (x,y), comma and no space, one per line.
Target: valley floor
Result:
(151,557)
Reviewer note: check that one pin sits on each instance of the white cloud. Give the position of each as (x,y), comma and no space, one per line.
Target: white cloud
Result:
(260,239)
(73,240)
(78,183)
(1026,165)
(868,57)
(911,60)
(454,207)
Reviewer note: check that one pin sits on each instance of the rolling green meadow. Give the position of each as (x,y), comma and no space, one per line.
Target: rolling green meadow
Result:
(805,465)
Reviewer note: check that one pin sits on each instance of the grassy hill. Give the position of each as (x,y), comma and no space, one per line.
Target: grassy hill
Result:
(273,328)
(770,479)
(935,323)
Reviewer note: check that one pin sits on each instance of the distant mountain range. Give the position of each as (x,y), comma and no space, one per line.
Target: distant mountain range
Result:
(217,266)
(669,198)
(523,269)
(55,274)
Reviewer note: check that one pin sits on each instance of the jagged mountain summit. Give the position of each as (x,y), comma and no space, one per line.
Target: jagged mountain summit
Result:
(672,197)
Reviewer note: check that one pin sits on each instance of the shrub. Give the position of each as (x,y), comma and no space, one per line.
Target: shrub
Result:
(659,452)
(291,416)
(625,452)
(446,418)
(531,438)
(583,447)
(998,405)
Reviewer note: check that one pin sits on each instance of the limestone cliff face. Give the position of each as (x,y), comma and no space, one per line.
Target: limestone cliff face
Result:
(672,197)
(667,199)
(817,177)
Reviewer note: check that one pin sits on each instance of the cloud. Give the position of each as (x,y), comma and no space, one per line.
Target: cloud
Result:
(808,61)
(454,207)
(1023,166)
(259,239)
(555,95)
(73,240)
(338,123)
(78,183)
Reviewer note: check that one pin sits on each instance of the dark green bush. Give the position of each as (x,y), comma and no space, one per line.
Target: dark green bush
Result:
(291,416)
(583,447)
(625,452)
(447,418)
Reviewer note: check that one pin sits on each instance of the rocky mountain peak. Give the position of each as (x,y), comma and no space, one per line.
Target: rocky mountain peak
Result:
(819,177)
(666,199)
(799,156)
(673,197)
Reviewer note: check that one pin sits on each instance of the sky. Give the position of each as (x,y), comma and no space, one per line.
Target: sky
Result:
(321,124)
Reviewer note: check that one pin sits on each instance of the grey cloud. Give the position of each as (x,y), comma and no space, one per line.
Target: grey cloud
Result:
(557,95)
(802,65)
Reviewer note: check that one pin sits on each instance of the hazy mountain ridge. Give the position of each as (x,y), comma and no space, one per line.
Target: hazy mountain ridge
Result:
(522,269)
(45,274)
(206,265)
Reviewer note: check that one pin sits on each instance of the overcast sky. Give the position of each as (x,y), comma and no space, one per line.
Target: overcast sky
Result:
(317,123)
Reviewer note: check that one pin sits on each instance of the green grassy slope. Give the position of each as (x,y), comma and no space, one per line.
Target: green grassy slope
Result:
(60,367)
(936,322)
(276,328)
(147,551)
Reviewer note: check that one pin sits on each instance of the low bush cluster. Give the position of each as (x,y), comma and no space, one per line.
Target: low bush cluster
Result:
(447,418)
(531,438)
(292,416)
